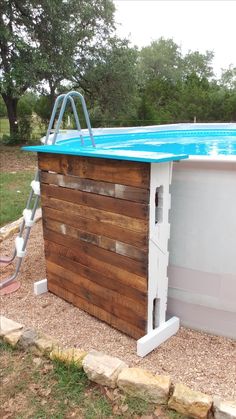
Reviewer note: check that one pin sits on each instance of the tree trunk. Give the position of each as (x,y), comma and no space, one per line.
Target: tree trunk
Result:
(52,94)
(11,104)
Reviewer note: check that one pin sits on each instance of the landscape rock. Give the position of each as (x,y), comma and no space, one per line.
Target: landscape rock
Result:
(191,403)
(8,326)
(71,355)
(28,338)
(13,338)
(103,369)
(12,228)
(143,384)
(45,345)
(224,409)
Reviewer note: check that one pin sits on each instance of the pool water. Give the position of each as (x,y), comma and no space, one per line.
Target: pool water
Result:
(201,142)
(182,140)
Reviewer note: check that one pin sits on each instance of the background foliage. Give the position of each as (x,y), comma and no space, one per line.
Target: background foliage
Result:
(50,46)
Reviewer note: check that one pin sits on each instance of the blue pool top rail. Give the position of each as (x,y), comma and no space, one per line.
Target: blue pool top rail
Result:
(136,153)
(150,144)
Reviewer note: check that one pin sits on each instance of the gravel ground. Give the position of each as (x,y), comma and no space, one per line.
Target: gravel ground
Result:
(202,361)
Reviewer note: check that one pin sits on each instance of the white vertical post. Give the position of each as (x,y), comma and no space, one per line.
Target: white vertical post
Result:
(158,330)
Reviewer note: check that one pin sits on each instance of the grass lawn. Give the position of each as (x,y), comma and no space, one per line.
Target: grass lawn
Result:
(34,387)
(37,129)
(4,127)
(17,172)
(14,190)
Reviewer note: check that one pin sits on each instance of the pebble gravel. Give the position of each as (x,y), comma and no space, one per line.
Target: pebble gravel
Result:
(202,361)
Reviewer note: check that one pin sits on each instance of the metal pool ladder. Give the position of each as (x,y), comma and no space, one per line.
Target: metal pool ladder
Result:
(33,199)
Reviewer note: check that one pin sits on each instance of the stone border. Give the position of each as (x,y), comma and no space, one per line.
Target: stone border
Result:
(9,229)
(112,372)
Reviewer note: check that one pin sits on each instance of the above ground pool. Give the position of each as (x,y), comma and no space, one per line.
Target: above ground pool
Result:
(207,141)
(202,246)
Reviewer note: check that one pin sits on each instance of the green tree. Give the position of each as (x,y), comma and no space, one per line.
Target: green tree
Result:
(228,85)
(160,69)
(162,59)
(175,87)
(194,99)
(198,64)
(199,92)
(17,56)
(109,81)
(42,108)
(67,33)
(3,109)
(25,110)
(39,41)
(228,78)
(160,102)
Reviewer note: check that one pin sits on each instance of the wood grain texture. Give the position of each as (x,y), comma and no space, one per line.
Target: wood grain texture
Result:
(98,240)
(104,188)
(128,264)
(106,203)
(109,300)
(95,311)
(106,217)
(112,272)
(95,224)
(107,170)
(123,287)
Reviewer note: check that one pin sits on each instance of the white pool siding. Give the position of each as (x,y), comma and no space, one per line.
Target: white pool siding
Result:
(202,268)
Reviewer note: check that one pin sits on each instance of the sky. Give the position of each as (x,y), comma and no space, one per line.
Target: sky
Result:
(194,25)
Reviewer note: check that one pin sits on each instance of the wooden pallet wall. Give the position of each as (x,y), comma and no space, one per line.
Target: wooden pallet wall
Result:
(95,224)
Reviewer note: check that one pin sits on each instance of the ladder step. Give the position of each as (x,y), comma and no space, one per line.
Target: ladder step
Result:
(27,214)
(19,242)
(35,185)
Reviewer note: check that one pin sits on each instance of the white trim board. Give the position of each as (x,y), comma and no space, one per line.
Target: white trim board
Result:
(158,330)
(40,287)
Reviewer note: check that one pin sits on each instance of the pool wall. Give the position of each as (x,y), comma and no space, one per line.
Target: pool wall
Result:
(202,268)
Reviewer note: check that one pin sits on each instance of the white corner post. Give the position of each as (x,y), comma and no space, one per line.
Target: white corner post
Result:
(40,287)
(158,329)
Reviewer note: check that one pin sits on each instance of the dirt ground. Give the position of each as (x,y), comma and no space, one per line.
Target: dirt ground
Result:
(202,361)
(13,159)
(35,387)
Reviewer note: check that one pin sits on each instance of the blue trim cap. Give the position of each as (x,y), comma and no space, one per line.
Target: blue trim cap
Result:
(135,154)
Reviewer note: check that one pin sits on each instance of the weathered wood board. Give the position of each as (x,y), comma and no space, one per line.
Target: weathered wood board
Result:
(95,224)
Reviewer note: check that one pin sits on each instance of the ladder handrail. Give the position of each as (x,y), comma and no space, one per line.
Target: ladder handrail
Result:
(53,116)
(62,111)
(28,216)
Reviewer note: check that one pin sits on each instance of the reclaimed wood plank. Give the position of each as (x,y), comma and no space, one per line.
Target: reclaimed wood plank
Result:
(124,235)
(110,271)
(108,305)
(133,266)
(108,170)
(117,285)
(106,217)
(99,313)
(118,206)
(104,188)
(98,240)
(95,222)
(109,300)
